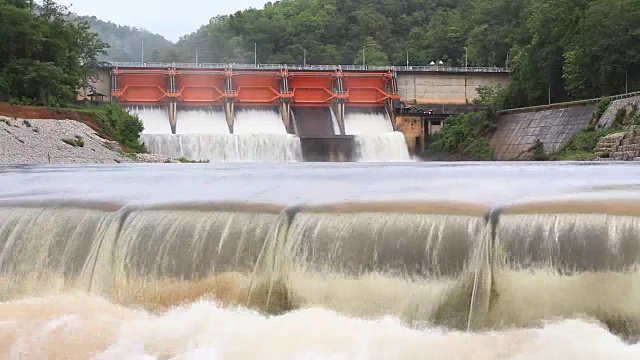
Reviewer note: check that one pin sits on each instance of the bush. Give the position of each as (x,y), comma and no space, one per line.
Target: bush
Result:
(76,141)
(185,160)
(116,122)
(467,134)
(538,151)
(601,108)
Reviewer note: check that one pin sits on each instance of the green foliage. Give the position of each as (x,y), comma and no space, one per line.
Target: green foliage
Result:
(128,155)
(116,122)
(26,123)
(76,141)
(557,50)
(582,145)
(538,151)
(626,117)
(44,57)
(467,134)
(601,108)
(185,160)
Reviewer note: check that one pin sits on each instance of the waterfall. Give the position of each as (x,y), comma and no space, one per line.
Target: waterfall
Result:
(227,148)
(375,139)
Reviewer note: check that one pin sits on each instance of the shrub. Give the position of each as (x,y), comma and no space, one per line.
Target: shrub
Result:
(76,141)
(601,108)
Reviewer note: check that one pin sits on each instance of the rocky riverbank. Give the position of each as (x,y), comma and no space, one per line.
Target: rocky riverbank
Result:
(47,141)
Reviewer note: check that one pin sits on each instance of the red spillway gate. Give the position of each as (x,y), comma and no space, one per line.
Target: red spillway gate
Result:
(256,87)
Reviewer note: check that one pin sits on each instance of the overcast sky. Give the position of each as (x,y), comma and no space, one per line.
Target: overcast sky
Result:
(170,18)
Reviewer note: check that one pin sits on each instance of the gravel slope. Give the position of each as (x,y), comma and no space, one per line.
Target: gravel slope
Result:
(37,141)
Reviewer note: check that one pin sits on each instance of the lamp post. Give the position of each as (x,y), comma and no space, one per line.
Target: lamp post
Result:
(304,61)
(142,53)
(364,56)
(466,56)
(255,54)
(407,58)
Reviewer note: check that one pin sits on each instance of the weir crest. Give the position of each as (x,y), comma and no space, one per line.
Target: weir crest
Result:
(461,266)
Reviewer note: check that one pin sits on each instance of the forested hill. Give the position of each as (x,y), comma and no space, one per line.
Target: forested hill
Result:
(126,42)
(567,49)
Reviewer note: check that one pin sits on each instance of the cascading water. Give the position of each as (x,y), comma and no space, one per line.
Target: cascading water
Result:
(253,121)
(196,277)
(375,138)
(203,134)
(155,118)
(227,148)
(201,121)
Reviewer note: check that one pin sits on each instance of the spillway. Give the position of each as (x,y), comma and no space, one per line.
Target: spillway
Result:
(155,118)
(227,147)
(258,121)
(130,254)
(375,139)
(201,121)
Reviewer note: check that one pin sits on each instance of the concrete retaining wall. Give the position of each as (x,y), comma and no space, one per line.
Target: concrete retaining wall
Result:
(517,132)
(444,88)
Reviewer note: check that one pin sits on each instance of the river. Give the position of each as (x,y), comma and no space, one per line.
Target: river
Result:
(317,261)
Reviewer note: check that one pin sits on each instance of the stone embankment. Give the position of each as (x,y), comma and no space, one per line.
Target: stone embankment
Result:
(155,158)
(620,146)
(50,141)
(41,141)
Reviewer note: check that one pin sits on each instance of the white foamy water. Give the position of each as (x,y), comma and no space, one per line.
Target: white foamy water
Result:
(258,121)
(375,139)
(387,147)
(227,148)
(375,123)
(202,121)
(83,327)
(155,118)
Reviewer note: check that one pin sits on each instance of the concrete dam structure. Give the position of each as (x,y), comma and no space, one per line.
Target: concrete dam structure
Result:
(288,113)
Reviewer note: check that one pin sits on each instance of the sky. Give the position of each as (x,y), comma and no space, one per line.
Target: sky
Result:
(169,18)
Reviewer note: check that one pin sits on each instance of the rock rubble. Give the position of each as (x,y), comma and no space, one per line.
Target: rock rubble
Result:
(620,146)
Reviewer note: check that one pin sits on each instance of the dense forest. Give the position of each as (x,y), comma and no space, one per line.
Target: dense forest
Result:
(557,50)
(44,57)
(46,54)
(126,43)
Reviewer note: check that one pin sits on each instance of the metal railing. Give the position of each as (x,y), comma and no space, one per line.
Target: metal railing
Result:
(570,103)
(219,66)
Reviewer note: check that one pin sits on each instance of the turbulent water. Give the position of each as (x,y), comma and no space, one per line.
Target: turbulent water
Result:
(155,119)
(227,148)
(248,261)
(256,121)
(201,121)
(375,139)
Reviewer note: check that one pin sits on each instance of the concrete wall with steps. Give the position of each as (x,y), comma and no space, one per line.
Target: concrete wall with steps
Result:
(517,132)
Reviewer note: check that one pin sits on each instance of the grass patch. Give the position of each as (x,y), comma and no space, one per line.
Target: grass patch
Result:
(129,155)
(187,161)
(76,141)
(582,145)
(601,108)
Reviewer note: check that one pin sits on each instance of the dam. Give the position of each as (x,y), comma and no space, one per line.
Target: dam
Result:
(310,113)
(113,261)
